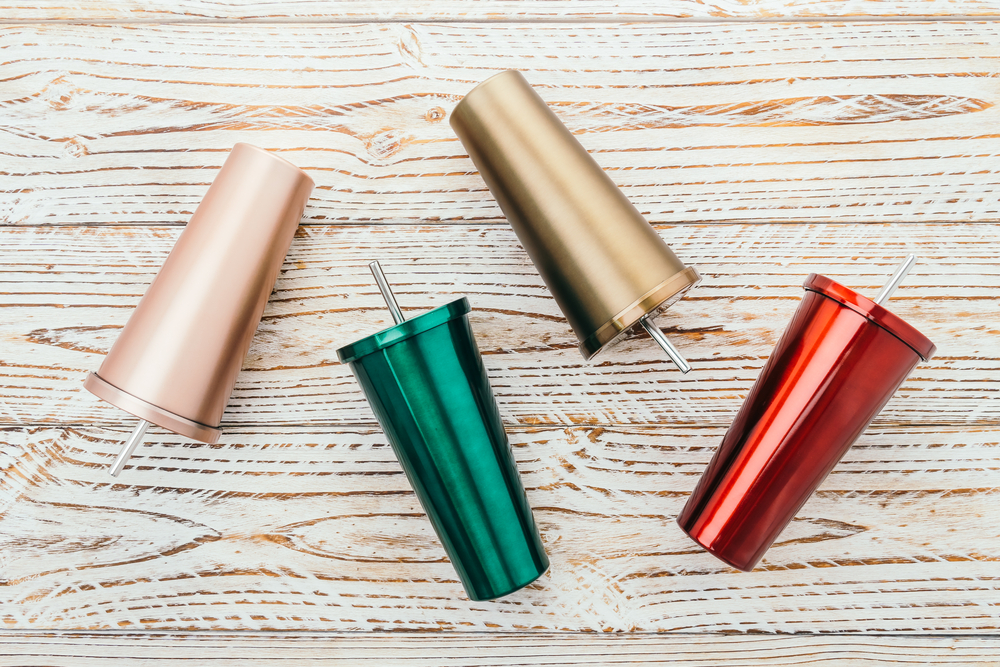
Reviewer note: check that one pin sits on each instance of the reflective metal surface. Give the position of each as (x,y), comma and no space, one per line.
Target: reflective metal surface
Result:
(897,277)
(386,290)
(654,332)
(838,363)
(427,385)
(176,361)
(133,441)
(604,264)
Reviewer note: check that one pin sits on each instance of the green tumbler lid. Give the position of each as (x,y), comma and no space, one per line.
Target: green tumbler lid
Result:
(404,330)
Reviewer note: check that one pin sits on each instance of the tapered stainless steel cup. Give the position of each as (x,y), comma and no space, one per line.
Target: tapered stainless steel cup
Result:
(175,363)
(607,268)
(427,385)
(839,362)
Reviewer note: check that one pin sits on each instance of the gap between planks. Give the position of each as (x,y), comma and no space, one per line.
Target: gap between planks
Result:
(30,649)
(567,20)
(68,291)
(718,123)
(317,529)
(497,11)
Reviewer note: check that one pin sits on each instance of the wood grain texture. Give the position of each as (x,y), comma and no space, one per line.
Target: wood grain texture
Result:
(334,11)
(832,122)
(317,529)
(486,649)
(762,151)
(69,290)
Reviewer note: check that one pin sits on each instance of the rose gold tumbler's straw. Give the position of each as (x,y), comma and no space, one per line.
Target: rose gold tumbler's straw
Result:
(176,361)
(133,441)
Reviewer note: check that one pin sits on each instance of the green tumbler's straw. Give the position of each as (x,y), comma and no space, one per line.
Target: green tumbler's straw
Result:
(426,383)
(383,286)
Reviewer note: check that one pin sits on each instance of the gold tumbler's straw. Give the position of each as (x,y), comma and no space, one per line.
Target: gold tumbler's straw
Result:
(654,332)
(607,268)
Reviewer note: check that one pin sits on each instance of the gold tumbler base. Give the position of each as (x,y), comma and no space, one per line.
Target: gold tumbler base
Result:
(659,298)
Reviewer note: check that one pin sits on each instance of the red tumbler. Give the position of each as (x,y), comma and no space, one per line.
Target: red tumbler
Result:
(838,363)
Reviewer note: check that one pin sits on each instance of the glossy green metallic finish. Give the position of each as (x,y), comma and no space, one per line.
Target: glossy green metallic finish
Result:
(426,382)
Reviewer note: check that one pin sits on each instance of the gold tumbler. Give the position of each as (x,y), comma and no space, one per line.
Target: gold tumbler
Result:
(607,268)
(176,361)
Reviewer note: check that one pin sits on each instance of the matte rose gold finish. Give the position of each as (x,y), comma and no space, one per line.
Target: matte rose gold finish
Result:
(177,359)
(149,412)
(604,264)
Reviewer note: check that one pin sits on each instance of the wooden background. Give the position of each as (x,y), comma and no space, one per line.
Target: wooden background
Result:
(765,140)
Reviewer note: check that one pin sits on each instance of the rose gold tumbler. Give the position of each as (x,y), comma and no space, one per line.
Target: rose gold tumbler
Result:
(177,359)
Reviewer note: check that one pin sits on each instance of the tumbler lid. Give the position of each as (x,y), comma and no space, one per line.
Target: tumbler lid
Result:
(404,330)
(875,313)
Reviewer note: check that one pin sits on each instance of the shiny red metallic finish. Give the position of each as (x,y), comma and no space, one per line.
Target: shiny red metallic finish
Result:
(838,363)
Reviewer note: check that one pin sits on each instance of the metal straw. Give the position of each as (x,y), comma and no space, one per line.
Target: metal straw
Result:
(133,441)
(383,286)
(654,331)
(896,279)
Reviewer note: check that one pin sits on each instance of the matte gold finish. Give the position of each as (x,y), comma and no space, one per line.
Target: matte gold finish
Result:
(176,361)
(604,264)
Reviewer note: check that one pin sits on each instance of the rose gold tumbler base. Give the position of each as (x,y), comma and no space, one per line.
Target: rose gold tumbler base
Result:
(143,410)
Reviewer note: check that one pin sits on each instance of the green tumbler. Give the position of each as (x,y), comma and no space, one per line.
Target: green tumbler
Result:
(427,385)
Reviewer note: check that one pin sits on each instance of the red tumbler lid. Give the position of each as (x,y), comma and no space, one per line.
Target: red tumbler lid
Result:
(875,313)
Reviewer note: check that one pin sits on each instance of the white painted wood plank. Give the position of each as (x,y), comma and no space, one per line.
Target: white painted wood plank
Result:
(486,650)
(837,122)
(325,11)
(316,529)
(300,519)
(67,291)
